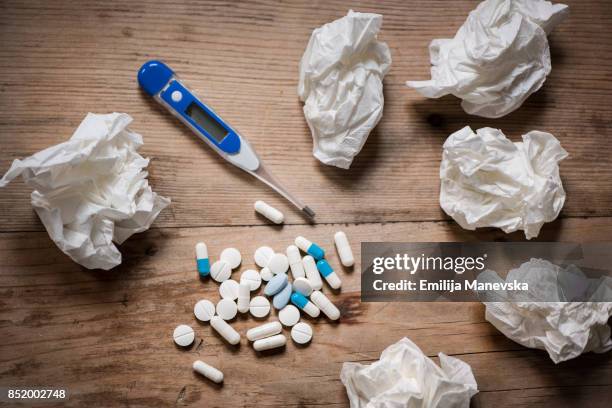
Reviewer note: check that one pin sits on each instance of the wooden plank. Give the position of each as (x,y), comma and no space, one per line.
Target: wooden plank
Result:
(106,336)
(59,61)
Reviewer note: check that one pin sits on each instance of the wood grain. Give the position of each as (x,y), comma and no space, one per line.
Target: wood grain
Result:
(58,61)
(106,336)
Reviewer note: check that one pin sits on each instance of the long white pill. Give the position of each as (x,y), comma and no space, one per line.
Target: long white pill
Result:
(344,249)
(262,256)
(244,296)
(312,273)
(225,330)
(301,333)
(202,261)
(227,309)
(263,331)
(220,271)
(327,307)
(270,342)
(208,371)
(204,310)
(183,335)
(232,256)
(269,212)
(259,306)
(295,262)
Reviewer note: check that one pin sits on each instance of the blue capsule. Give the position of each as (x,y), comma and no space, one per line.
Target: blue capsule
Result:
(304,304)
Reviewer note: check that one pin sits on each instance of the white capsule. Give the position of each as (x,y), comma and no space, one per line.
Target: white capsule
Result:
(269,212)
(183,335)
(259,306)
(263,331)
(270,342)
(327,307)
(244,296)
(266,274)
(204,310)
(220,271)
(303,286)
(232,256)
(278,264)
(252,277)
(295,262)
(301,333)
(312,273)
(344,249)
(262,256)
(229,289)
(227,309)
(225,330)
(208,371)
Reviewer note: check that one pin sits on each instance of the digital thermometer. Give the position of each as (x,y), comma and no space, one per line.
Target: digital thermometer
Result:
(159,81)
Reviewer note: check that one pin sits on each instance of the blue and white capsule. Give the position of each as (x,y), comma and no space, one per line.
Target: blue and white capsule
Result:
(310,248)
(328,273)
(202,259)
(304,304)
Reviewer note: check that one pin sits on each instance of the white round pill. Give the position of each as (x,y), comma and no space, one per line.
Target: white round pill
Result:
(229,289)
(259,306)
(289,315)
(220,271)
(262,256)
(266,274)
(204,310)
(278,263)
(227,309)
(303,286)
(232,257)
(301,333)
(252,277)
(183,335)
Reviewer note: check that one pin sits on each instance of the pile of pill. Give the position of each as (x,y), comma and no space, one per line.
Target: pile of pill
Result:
(302,294)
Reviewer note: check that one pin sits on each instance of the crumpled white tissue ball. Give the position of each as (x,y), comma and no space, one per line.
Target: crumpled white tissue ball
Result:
(341,74)
(564,329)
(405,377)
(92,189)
(499,56)
(489,181)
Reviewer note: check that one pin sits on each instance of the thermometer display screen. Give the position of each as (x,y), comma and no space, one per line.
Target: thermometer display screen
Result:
(206,122)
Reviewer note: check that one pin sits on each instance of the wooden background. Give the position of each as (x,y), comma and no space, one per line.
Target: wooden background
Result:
(106,336)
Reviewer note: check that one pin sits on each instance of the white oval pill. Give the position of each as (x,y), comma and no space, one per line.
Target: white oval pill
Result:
(312,273)
(252,277)
(244,296)
(263,331)
(270,342)
(269,212)
(259,306)
(229,289)
(295,262)
(303,286)
(208,371)
(278,264)
(301,333)
(232,257)
(344,249)
(220,271)
(289,315)
(227,309)
(325,305)
(225,330)
(204,310)
(183,335)
(266,274)
(262,256)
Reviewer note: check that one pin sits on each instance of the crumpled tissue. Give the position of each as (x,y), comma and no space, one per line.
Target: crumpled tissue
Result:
(341,74)
(92,190)
(498,57)
(489,181)
(563,328)
(405,377)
